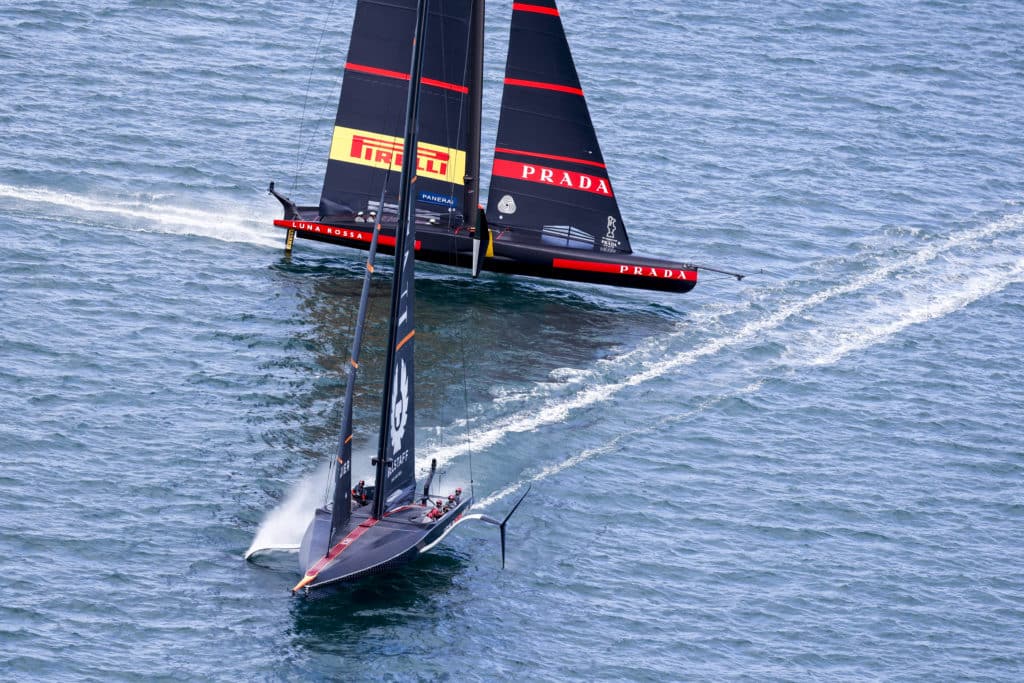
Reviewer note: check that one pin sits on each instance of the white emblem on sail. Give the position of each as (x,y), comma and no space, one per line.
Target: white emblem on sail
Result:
(399,406)
(608,242)
(506,204)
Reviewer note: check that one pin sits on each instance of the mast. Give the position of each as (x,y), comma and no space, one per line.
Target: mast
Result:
(476,81)
(395,460)
(342,507)
(476,92)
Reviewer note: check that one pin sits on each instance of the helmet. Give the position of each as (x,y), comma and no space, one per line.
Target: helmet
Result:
(451,497)
(438,503)
(457,491)
(362,482)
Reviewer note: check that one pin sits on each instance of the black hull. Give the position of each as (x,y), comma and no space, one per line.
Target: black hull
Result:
(369,546)
(508,256)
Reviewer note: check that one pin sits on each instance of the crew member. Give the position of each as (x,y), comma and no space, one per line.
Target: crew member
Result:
(359,492)
(436,512)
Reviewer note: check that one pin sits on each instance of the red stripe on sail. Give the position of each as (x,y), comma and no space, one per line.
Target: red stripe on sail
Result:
(502,150)
(362,68)
(543,86)
(538,9)
(626,269)
(555,177)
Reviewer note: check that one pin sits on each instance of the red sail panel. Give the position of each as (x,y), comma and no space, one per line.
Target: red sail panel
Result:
(367,145)
(549,179)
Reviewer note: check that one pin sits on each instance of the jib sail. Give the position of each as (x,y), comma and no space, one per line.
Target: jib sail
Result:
(368,141)
(549,179)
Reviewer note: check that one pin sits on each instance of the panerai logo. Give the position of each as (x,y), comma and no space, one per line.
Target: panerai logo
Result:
(399,406)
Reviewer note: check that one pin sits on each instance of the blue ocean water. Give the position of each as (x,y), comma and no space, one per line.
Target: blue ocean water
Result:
(814,474)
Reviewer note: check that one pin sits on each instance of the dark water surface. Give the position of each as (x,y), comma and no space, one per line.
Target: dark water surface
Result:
(815,474)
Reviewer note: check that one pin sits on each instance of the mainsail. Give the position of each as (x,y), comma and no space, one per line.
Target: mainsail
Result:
(396,452)
(367,140)
(548,174)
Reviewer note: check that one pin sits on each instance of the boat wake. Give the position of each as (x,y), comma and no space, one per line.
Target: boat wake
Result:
(221,220)
(814,330)
(282,528)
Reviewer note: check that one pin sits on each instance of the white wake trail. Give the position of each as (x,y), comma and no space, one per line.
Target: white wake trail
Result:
(558,409)
(611,446)
(973,289)
(995,274)
(225,221)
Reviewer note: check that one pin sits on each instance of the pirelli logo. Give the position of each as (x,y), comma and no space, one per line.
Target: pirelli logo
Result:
(385,151)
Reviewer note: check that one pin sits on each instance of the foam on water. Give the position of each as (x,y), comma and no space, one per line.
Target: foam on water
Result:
(226,221)
(941,289)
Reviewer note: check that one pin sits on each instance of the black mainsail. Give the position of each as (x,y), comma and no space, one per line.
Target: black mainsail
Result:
(549,177)
(396,452)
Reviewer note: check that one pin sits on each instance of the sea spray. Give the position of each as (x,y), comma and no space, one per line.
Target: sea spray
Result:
(283,527)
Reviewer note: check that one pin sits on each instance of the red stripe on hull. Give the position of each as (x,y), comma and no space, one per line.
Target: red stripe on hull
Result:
(362,68)
(626,269)
(338,231)
(340,546)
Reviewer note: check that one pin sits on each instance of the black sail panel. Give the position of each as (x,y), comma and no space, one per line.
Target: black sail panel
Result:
(399,439)
(396,454)
(367,143)
(549,178)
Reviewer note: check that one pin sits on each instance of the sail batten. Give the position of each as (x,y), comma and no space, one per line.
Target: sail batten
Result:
(398,75)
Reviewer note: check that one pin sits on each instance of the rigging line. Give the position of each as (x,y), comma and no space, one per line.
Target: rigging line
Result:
(461,336)
(299,156)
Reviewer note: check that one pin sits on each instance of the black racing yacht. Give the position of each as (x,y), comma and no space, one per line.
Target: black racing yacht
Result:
(551,209)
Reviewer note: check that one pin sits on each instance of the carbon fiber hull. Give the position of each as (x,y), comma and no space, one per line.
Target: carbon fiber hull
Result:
(369,546)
